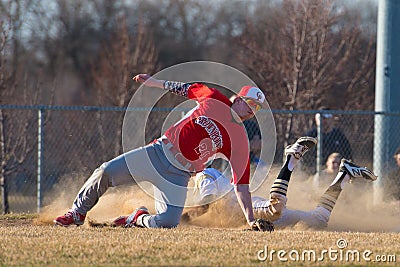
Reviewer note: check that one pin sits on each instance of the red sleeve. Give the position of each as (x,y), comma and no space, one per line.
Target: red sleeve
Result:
(198,92)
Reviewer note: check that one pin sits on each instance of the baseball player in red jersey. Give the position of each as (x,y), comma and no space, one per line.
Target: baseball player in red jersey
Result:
(213,129)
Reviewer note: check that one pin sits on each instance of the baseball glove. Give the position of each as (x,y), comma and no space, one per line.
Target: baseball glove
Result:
(262,225)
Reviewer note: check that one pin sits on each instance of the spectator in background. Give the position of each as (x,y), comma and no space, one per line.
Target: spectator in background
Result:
(391,184)
(333,140)
(332,164)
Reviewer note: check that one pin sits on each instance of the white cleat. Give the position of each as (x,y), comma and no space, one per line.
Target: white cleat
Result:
(302,145)
(356,171)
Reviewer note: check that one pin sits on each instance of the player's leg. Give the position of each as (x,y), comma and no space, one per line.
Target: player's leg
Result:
(293,155)
(289,218)
(271,209)
(167,215)
(170,192)
(118,171)
(112,173)
(108,174)
(319,217)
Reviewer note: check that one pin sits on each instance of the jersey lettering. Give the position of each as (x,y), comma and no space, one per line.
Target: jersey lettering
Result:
(212,130)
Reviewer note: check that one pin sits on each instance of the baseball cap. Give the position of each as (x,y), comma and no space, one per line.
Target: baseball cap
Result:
(253,93)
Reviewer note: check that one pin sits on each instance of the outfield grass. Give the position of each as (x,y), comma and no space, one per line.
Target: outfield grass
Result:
(25,243)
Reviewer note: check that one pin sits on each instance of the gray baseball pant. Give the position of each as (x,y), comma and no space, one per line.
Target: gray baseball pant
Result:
(148,163)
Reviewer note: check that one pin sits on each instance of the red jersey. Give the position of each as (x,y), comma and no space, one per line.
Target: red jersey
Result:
(209,129)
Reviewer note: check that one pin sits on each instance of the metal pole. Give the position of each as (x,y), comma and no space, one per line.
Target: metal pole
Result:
(39,159)
(319,146)
(3,178)
(387,93)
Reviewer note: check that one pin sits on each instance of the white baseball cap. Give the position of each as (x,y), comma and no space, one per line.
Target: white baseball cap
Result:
(254,93)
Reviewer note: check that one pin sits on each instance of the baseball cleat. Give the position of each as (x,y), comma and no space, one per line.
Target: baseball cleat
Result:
(356,171)
(130,220)
(302,145)
(70,218)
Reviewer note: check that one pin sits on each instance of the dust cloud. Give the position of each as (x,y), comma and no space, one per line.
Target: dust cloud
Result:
(115,202)
(355,209)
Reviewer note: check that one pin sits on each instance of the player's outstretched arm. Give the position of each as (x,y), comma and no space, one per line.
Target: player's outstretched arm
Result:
(147,80)
(178,88)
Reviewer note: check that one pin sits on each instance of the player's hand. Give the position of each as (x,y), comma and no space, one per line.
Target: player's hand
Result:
(141,78)
(262,225)
(147,80)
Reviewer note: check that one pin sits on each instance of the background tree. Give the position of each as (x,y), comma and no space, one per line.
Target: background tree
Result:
(19,84)
(306,54)
(125,54)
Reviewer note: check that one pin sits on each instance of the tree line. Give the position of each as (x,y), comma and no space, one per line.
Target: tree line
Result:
(300,52)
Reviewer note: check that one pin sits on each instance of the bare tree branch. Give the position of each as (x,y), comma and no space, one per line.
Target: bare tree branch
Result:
(309,54)
(111,75)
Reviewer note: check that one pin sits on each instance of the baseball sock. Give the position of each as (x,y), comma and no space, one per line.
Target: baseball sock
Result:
(146,220)
(292,162)
(281,183)
(328,199)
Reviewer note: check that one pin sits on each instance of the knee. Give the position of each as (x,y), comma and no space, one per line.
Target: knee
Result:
(101,176)
(105,167)
(107,172)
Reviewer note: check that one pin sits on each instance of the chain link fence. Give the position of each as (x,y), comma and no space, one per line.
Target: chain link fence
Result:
(42,146)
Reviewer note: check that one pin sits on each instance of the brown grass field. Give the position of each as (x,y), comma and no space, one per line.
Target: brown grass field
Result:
(25,242)
(367,233)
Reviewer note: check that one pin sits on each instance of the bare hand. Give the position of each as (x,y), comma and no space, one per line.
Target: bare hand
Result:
(141,78)
(147,80)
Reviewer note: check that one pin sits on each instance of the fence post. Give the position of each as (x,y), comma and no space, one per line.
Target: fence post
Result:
(319,146)
(39,159)
(4,193)
(3,178)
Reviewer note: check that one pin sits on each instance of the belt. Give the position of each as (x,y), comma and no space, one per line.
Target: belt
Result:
(178,155)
